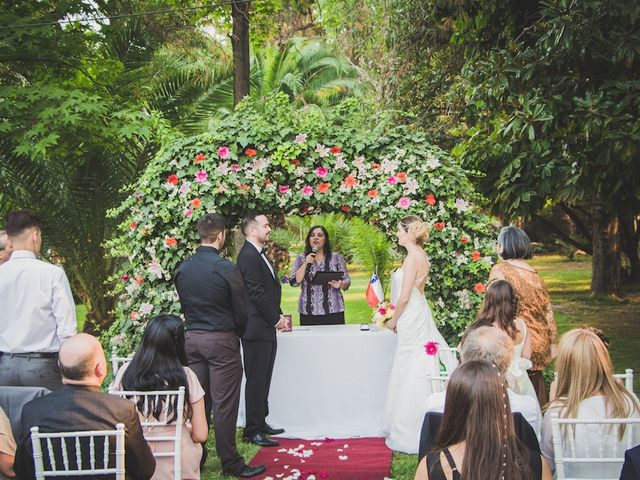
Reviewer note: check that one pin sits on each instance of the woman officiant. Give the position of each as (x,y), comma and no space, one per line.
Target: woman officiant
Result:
(321,302)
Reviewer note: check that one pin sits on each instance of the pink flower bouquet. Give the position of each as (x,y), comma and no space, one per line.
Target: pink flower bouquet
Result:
(382,314)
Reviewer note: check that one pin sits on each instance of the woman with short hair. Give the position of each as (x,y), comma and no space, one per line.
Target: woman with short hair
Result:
(477,439)
(534,304)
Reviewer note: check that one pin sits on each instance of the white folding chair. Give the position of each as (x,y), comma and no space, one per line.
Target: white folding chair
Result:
(586,449)
(627,378)
(171,413)
(117,361)
(438,383)
(66,446)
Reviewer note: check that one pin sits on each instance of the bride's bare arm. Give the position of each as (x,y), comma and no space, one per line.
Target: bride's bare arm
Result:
(409,274)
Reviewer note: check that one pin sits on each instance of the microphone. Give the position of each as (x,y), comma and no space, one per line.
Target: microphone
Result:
(314,250)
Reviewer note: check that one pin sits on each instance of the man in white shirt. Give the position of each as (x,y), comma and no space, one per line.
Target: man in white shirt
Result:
(5,247)
(493,345)
(37,311)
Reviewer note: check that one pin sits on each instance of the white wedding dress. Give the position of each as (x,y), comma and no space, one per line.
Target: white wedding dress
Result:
(408,386)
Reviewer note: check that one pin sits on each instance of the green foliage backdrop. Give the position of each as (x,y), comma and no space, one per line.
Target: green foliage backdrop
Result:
(298,162)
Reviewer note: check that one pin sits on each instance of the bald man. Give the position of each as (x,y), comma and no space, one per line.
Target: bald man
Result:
(80,405)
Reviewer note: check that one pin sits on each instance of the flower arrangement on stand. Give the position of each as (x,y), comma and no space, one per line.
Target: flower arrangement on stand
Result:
(382,314)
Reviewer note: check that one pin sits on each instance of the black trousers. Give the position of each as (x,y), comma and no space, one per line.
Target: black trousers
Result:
(259,358)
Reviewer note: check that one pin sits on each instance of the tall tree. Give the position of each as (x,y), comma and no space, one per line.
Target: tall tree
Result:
(240,44)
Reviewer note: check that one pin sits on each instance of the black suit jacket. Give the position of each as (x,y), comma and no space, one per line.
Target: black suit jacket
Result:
(78,408)
(631,467)
(264,291)
(211,293)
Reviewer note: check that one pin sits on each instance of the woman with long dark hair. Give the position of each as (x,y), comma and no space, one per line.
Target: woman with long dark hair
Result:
(160,363)
(477,439)
(320,304)
(500,309)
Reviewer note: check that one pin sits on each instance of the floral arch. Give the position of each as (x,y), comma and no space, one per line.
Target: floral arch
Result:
(272,158)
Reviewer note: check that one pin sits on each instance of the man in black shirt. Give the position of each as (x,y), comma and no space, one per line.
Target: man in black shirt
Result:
(214,303)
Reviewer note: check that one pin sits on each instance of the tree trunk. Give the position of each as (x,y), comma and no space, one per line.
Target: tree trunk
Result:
(606,253)
(630,238)
(240,46)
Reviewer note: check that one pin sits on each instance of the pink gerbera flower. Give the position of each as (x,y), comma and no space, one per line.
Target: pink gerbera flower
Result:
(431,348)
(404,203)
(307,190)
(283,188)
(322,172)
(201,176)
(224,152)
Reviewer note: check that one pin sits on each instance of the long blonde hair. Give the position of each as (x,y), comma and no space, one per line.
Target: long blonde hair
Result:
(584,370)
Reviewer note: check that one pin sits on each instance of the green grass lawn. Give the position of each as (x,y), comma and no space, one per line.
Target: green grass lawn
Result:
(568,283)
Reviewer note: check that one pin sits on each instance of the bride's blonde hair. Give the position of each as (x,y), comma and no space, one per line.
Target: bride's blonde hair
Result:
(416,229)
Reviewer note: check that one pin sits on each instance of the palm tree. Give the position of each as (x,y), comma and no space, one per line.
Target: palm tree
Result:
(191,88)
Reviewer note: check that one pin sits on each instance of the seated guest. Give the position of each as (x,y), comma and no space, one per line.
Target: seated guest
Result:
(160,364)
(492,345)
(481,444)
(631,467)
(588,390)
(79,406)
(321,304)
(7,448)
(499,308)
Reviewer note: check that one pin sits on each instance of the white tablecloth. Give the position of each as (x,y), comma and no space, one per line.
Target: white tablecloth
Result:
(330,381)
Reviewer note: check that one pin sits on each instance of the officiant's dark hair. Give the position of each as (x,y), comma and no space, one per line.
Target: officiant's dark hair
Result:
(210,225)
(327,243)
(159,362)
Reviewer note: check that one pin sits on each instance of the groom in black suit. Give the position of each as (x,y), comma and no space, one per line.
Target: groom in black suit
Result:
(265,317)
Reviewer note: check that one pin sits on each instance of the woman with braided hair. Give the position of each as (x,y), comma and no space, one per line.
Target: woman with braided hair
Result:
(481,444)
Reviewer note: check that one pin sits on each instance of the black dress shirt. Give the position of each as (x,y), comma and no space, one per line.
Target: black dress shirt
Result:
(212,293)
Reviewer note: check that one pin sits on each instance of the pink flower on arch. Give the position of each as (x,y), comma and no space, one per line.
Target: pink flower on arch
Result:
(322,172)
(307,190)
(201,176)
(301,138)
(224,152)
(188,213)
(283,188)
(431,348)
(404,203)
(392,180)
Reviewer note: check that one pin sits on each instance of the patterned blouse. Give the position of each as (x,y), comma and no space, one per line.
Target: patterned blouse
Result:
(534,307)
(320,299)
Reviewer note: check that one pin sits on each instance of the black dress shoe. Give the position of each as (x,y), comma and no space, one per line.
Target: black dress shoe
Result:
(248,471)
(261,439)
(269,430)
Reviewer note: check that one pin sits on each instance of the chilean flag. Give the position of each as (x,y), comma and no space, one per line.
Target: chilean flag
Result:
(374,291)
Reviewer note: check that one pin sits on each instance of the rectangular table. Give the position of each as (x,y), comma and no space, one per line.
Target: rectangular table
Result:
(330,381)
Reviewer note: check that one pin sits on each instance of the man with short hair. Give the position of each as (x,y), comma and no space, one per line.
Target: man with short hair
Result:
(37,311)
(5,247)
(81,406)
(214,304)
(492,345)
(259,343)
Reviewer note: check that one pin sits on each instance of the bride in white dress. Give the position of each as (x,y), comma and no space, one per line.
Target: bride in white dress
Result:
(413,322)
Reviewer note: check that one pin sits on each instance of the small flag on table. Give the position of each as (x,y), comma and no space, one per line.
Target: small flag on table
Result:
(374,291)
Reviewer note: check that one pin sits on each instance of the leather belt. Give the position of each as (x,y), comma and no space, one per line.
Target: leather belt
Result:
(31,354)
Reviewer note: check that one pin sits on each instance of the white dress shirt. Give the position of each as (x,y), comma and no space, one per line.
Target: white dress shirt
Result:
(37,311)
(527,405)
(264,257)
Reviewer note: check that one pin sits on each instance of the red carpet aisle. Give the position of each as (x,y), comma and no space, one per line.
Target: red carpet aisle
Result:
(339,459)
